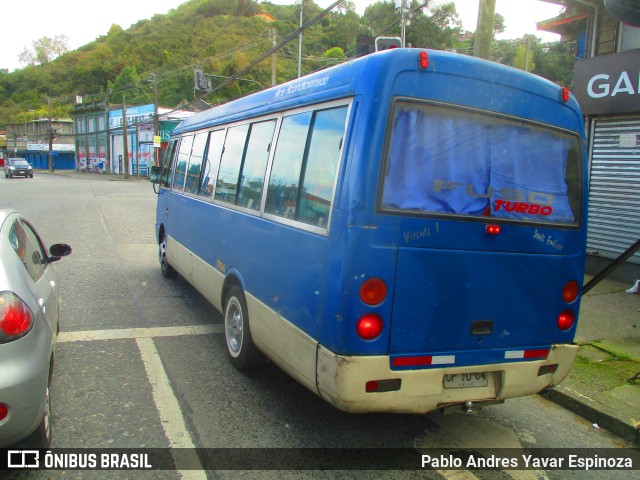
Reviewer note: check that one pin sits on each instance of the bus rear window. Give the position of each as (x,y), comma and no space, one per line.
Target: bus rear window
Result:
(451,161)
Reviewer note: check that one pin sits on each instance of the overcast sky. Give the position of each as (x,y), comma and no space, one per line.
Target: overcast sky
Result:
(83,21)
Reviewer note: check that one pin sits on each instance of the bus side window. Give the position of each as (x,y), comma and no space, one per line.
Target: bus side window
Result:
(168,164)
(230,164)
(320,166)
(210,165)
(181,163)
(195,163)
(282,193)
(255,164)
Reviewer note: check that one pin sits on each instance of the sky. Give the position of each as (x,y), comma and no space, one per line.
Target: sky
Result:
(83,22)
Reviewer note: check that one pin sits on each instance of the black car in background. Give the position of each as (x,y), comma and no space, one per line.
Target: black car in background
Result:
(17,167)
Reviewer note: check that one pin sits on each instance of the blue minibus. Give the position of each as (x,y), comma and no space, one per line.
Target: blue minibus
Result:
(400,233)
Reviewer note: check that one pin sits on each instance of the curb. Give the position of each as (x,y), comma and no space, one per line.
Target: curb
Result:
(594,411)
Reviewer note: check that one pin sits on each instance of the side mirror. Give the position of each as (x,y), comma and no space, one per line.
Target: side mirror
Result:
(58,251)
(154,176)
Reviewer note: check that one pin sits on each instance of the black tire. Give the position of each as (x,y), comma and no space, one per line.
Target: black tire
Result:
(41,437)
(241,350)
(166,269)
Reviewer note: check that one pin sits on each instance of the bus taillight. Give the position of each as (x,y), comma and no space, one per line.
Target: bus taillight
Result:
(493,229)
(373,291)
(369,326)
(565,94)
(423,60)
(570,291)
(565,320)
(378,386)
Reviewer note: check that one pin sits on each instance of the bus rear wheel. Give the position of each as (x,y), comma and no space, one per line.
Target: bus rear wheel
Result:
(241,350)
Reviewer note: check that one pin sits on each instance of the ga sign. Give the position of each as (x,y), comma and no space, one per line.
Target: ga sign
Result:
(608,83)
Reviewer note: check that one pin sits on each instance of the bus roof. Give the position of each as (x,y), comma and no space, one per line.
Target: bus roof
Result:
(359,76)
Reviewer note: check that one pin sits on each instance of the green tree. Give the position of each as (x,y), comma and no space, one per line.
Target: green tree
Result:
(524,54)
(335,52)
(44,50)
(126,87)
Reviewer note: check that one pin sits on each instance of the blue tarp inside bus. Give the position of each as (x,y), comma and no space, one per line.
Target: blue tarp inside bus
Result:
(445,161)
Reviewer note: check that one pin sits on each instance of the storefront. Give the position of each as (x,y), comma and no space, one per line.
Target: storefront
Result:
(608,90)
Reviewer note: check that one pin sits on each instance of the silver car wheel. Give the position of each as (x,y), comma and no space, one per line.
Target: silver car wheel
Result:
(233,321)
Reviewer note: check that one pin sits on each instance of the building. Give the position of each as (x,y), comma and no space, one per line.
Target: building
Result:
(91,133)
(31,140)
(140,136)
(607,85)
(99,138)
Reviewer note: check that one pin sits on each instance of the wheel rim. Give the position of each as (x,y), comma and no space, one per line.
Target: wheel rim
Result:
(234,326)
(162,253)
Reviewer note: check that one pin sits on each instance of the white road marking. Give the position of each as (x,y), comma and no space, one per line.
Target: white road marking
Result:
(122,333)
(168,407)
(469,432)
(171,416)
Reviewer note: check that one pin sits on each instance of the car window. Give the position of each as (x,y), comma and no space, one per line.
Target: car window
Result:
(29,249)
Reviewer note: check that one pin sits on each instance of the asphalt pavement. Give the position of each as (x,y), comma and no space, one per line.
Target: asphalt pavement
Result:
(603,385)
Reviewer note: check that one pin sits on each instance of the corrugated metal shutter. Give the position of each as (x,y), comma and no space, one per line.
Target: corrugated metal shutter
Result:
(614,191)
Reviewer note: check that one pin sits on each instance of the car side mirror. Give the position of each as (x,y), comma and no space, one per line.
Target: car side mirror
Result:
(58,251)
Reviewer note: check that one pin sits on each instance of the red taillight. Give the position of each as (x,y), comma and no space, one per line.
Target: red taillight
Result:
(423,60)
(369,326)
(565,320)
(373,291)
(15,317)
(570,291)
(379,386)
(493,229)
(565,94)
(4,411)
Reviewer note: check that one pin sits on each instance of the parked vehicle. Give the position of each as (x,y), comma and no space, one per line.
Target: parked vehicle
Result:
(400,233)
(29,324)
(18,167)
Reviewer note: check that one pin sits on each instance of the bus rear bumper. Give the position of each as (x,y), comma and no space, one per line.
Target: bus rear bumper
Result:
(341,380)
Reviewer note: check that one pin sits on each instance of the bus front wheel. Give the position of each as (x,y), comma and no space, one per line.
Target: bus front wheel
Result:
(241,350)
(166,269)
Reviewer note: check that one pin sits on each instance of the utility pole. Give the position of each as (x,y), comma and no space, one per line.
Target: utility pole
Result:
(125,147)
(300,42)
(484,29)
(108,134)
(403,22)
(274,41)
(50,134)
(156,151)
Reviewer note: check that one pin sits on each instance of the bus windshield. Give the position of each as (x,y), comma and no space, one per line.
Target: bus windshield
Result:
(444,160)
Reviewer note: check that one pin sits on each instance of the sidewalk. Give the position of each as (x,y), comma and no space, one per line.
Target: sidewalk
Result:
(599,386)
(90,175)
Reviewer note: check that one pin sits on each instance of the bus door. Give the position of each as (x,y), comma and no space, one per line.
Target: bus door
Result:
(164,184)
(489,241)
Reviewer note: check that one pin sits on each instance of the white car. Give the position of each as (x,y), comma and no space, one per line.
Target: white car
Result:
(29,324)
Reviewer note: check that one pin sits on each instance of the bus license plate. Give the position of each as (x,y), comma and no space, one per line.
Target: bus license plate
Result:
(466,380)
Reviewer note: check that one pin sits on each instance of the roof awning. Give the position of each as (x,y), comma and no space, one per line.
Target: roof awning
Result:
(552,24)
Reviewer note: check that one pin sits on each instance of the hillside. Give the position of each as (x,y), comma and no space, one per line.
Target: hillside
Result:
(220,37)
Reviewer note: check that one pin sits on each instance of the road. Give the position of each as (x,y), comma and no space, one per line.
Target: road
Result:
(141,364)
